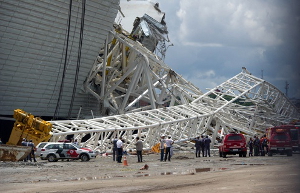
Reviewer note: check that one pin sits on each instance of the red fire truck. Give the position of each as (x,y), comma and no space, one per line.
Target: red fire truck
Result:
(295,135)
(279,140)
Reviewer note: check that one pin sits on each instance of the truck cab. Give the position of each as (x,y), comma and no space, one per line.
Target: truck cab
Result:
(279,140)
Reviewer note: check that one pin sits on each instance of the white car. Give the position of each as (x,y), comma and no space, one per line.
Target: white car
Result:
(39,149)
(55,151)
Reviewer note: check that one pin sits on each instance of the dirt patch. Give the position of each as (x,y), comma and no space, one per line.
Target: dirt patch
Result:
(182,174)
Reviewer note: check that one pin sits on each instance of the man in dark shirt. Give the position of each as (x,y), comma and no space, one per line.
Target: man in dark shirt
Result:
(256,145)
(115,149)
(31,155)
(207,142)
(202,145)
(198,142)
(24,143)
(139,149)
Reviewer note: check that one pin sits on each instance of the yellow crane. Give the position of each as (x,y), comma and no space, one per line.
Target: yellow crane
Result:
(26,126)
(29,127)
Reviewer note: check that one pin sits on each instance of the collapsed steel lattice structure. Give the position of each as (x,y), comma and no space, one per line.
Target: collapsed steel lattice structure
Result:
(126,74)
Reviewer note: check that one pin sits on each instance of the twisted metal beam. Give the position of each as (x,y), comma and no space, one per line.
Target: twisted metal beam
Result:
(244,103)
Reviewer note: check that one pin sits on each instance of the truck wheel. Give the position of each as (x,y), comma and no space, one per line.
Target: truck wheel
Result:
(224,155)
(244,154)
(52,158)
(289,153)
(240,155)
(84,157)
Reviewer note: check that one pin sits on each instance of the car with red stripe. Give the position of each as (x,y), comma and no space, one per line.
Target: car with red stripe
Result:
(57,150)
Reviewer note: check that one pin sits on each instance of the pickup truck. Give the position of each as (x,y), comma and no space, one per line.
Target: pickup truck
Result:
(233,143)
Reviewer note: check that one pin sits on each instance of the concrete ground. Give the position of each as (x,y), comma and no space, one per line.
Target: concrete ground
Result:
(185,173)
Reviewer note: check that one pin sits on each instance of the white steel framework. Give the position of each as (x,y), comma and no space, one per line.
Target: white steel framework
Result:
(126,74)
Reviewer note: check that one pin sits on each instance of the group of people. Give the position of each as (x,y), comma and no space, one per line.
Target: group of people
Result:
(166,150)
(118,145)
(166,144)
(165,147)
(202,145)
(31,155)
(260,146)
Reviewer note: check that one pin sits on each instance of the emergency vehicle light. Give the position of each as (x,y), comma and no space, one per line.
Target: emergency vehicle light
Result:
(280,130)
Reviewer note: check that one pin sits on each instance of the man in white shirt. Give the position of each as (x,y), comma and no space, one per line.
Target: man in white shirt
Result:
(169,143)
(120,150)
(162,147)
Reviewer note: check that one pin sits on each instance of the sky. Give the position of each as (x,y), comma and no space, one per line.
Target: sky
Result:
(214,39)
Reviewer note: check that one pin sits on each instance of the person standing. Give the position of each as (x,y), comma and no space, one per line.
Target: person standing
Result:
(264,145)
(32,153)
(207,142)
(250,145)
(256,144)
(115,149)
(120,150)
(169,143)
(162,147)
(202,145)
(198,146)
(139,149)
(75,142)
(24,143)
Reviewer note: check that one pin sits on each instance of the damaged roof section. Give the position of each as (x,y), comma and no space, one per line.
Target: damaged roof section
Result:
(129,74)
(150,33)
(146,23)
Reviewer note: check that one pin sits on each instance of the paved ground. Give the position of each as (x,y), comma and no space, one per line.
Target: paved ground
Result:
(184,173)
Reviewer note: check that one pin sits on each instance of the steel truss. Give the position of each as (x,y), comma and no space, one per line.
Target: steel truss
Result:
(128,76)
(128,73)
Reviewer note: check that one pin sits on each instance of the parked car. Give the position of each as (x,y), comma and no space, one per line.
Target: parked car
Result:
(233,144)
(39,148)
(55,151)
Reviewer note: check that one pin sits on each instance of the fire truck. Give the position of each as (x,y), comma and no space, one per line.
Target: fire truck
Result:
(295,135)
(279,140)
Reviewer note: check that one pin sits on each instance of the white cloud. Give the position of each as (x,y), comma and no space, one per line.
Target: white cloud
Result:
(205,80)
(221,36)
(215,22)
(207,74)
(196,44)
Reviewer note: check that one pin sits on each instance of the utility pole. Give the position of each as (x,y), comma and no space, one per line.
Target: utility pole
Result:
(286,88)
